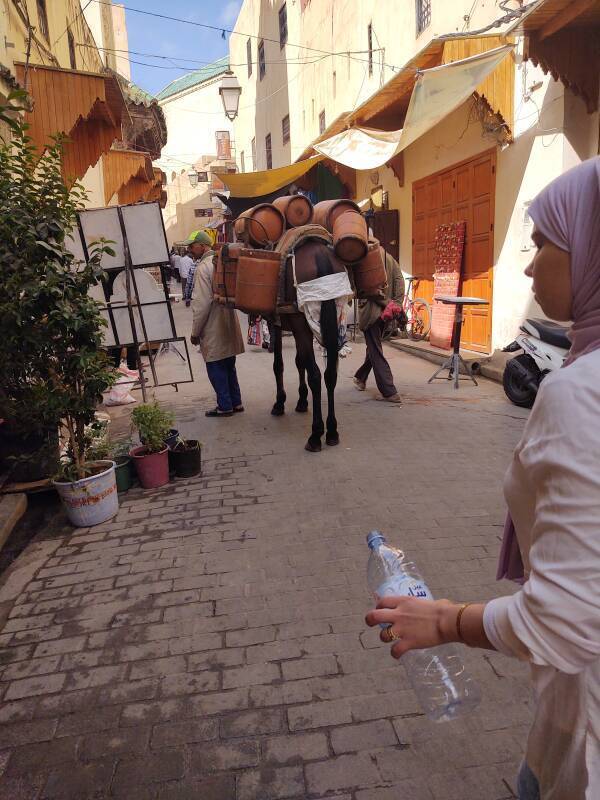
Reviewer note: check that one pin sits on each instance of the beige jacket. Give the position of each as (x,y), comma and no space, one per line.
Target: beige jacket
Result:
(369,310)
(216,326)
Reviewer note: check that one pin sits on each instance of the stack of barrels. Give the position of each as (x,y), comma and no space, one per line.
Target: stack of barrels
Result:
(247,272)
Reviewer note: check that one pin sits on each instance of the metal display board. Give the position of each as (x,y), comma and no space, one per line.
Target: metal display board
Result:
(136,307)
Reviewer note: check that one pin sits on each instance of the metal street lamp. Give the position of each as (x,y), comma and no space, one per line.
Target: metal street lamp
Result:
(193,176)
(230,91)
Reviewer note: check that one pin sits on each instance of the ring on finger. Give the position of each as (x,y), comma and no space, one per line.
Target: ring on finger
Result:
(389,635)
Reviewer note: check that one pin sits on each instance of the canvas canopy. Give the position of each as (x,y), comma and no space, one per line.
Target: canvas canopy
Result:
(437,93)
(255,184)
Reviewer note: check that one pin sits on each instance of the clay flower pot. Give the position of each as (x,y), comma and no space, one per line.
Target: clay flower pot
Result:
(350,237)
(296,208)
(263,224)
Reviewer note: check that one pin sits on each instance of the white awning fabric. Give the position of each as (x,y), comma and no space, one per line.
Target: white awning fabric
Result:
(437,93)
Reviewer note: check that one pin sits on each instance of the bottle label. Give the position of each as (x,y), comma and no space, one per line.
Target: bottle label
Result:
(404,586)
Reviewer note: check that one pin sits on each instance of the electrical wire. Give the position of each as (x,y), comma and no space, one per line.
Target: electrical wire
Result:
(73,21)
(221,29)
(172,59)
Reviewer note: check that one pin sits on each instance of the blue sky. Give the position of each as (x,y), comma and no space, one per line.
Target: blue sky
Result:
(175,39)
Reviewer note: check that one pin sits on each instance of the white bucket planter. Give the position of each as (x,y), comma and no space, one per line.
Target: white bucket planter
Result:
(92,500)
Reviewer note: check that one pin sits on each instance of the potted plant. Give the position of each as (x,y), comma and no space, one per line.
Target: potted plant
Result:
(151,458)
(122,459)
(52,366)
(186,458)
(118,452)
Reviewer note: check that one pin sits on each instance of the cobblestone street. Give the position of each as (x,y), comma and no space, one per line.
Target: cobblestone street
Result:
(209,643)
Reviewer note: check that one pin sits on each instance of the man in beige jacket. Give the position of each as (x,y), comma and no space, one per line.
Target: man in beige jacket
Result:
(217,330)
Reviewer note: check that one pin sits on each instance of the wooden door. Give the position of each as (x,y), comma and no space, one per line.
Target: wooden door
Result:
(386,228)
(464,191)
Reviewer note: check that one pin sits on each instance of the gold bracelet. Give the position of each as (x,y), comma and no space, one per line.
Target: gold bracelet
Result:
(461,611)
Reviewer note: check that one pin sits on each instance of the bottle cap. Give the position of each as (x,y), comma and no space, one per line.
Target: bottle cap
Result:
(374,539)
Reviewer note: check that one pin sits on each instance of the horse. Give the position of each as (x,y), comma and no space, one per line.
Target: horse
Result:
(307,254)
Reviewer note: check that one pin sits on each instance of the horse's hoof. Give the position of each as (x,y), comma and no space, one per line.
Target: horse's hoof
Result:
(313,447)
(301,407)
(277,411)
(332,439)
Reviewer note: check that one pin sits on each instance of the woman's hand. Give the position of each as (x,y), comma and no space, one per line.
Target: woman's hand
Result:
(418,623)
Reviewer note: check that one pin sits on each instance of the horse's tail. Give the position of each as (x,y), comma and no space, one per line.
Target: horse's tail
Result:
(329,329)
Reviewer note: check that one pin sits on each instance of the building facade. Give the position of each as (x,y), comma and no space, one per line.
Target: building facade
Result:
(67,56)
(200,146)
(312,68)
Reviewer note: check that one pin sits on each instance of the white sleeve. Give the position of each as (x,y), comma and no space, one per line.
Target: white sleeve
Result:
(555,619)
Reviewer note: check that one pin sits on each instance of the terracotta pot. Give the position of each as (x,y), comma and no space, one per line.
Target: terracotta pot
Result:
(296,208)
(350,237)
(262,224)
(257,281)
(369,273)
(326,212)
(225,274)
(152,468)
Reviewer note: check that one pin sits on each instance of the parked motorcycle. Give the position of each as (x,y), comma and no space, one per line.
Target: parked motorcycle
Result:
(545,346)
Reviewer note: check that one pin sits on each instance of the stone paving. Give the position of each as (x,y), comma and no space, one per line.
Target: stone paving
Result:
(209,642)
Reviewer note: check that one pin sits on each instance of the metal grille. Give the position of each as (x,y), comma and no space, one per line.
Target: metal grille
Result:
(269,151)
(322,122)
(423,10)
(370,43)
(261,61)
(285,129)
(249,56)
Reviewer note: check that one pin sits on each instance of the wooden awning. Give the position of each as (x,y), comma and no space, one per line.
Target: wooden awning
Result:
(155,190)
(386,109)
(86,107)
(564,39)
(128,174)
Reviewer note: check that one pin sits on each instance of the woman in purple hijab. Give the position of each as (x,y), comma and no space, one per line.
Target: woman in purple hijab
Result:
(552,539)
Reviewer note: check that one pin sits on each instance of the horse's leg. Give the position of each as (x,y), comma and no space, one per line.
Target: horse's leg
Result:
(279,406)
(329,333)
(302,404)
(304,344)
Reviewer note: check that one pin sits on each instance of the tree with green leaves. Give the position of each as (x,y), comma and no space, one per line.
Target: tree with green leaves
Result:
(53,370)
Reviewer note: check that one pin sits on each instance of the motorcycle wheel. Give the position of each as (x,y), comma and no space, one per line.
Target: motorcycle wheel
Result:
(514,387)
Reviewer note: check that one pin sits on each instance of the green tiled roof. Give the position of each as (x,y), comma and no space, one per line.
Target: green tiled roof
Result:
(194,78)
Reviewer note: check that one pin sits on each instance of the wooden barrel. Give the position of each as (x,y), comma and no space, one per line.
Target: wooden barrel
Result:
(369,273)
(296,208)
(326,212)
(350,237)
(225,273)
(262,224)
(257,281)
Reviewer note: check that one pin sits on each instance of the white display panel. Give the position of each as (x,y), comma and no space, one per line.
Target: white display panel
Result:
(156,317)
(104,223)
(74,245)
(97,293)
(145,234)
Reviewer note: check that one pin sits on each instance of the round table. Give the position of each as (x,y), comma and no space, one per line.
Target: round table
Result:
(453,363)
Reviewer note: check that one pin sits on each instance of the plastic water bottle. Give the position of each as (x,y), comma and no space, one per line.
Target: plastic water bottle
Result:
(437,675)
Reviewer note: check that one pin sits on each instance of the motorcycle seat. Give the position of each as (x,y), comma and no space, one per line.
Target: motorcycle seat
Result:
(551,332)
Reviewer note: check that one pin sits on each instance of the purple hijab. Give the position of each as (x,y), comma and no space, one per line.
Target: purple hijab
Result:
(567,212)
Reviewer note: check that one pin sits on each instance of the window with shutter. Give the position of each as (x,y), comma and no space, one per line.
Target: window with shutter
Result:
(285,129)
(249,56)
(262,68)
(269,151)
(283,31)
